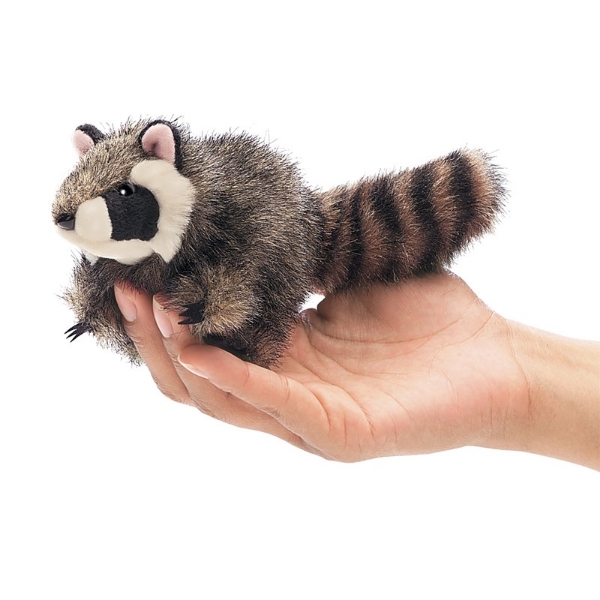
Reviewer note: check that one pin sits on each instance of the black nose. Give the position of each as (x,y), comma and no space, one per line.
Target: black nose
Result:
(66,221)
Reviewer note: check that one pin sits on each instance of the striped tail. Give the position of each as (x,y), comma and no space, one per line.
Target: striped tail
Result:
(394,226)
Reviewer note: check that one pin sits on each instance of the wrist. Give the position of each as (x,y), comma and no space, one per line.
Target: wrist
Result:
(559,414)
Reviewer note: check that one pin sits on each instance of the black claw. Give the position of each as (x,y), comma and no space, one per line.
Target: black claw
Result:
(78,329)
(193,313)
(213,340)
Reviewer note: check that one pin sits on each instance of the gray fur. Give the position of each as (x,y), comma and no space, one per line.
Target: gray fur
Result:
(259,239)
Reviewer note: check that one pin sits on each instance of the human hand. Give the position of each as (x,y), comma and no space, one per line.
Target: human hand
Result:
(417,367)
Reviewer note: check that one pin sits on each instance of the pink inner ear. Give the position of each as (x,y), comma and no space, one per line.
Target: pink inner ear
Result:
(158,141)
(83,142)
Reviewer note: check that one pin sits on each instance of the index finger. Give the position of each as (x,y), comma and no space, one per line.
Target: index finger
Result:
(139,323)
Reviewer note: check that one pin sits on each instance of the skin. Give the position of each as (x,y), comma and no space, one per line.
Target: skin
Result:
(412,368)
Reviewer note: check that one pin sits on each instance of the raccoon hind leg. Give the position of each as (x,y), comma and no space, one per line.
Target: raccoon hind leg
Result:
(261,342)
(228,346)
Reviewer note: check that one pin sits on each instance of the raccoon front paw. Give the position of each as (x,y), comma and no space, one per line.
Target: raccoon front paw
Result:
(78,329)
(193,313)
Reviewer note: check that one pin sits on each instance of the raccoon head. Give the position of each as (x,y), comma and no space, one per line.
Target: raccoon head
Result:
(127,198)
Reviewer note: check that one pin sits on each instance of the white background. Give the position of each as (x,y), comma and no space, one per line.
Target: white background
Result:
(109,490)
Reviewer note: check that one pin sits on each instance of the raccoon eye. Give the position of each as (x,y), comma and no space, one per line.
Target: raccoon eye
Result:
(66,221)
(126,189)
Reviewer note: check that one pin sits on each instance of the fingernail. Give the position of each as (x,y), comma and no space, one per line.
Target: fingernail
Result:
(162,319)
(193,369)
(126,304)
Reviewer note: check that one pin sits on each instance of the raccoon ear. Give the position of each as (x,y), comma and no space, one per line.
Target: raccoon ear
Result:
(162,139)
(86,137)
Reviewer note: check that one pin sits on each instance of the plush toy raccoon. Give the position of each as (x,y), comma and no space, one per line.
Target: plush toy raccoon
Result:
(227,230)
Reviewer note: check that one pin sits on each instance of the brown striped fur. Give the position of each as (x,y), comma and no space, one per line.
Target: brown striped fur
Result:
(259,240)
(399,225)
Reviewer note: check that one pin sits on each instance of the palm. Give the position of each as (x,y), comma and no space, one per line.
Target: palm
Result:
(394,369)
(408,369)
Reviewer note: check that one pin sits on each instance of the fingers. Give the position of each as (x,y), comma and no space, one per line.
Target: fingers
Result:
(174,338)
(202,393)
(160,339)
(140,325)
(207,397)
(288,402)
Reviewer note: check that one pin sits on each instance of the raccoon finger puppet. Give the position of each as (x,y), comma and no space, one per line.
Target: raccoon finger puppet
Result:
(226,229)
